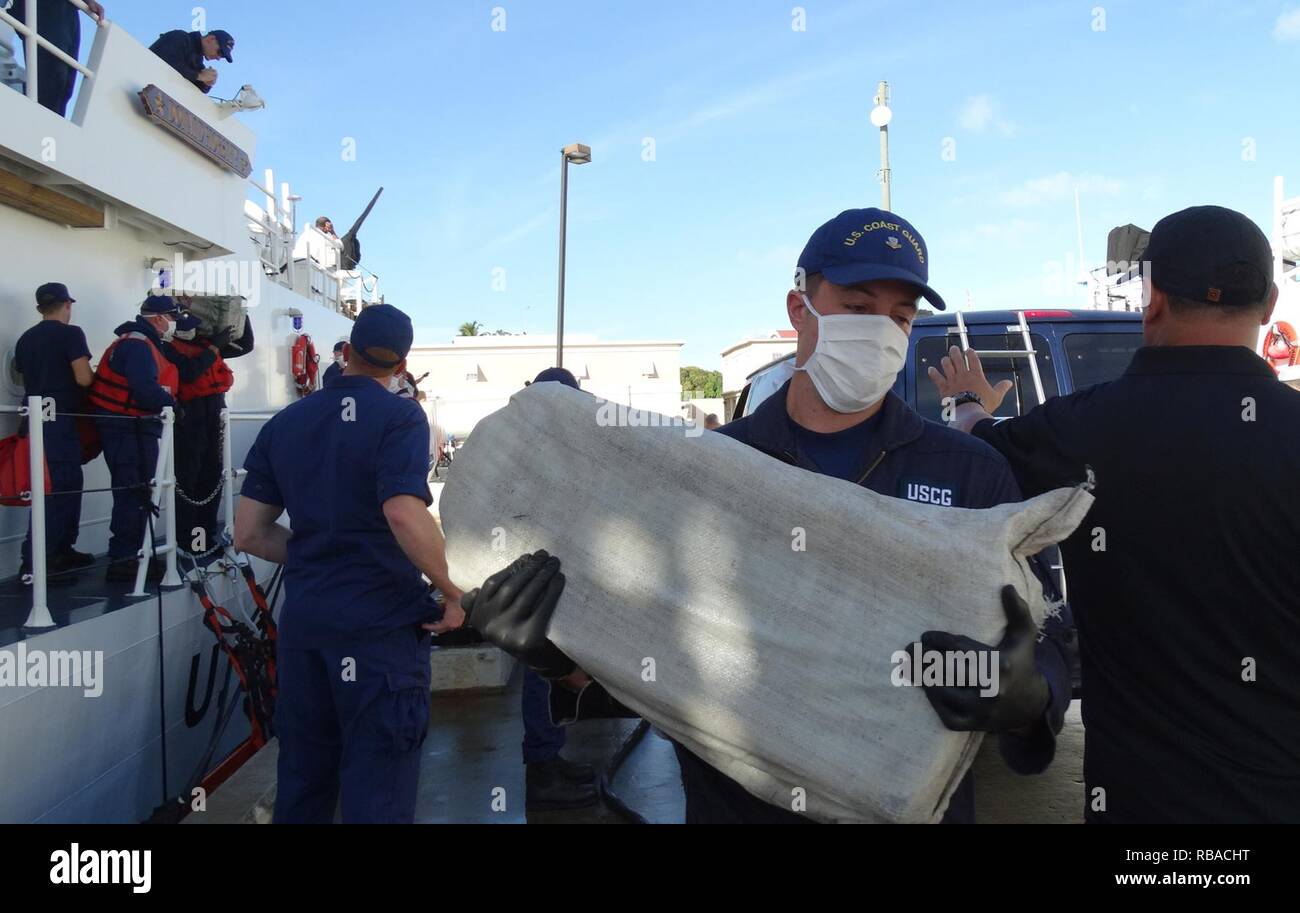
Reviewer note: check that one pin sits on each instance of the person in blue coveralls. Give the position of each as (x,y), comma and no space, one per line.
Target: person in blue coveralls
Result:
(349,465)
(186,53)
(59,23)
(133,383)
(54,361)
(551,780)
(860,278)
(339,363)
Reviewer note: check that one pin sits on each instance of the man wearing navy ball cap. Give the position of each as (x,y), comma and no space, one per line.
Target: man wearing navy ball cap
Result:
(856,291)
(349,465)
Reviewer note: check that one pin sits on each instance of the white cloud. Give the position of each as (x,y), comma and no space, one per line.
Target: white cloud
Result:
(1287,27)
(980,114)
(1060,186)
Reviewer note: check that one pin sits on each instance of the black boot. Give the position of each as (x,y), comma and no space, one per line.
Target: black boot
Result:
(575,772)
(548,789)
(125,571)
(75,559)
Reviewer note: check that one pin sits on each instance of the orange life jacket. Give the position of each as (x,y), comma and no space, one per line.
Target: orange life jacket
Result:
(110,390)
(217,379)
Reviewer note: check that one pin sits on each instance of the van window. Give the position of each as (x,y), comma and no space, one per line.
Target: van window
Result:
(1095,358)
(931,350)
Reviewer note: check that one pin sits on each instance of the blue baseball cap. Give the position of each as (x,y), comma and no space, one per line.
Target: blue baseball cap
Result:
(860,245)
(225,44)
(187,321)
(53,293)
(1210,254)
(382,326)
(159,304)
(559,376)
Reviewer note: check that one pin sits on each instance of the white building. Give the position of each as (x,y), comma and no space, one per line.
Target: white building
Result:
(473,376)
(747,356)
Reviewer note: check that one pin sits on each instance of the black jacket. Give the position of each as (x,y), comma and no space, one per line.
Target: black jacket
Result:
(184,52)
(908,453)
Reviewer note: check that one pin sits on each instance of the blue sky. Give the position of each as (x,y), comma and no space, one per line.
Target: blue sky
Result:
(760,134)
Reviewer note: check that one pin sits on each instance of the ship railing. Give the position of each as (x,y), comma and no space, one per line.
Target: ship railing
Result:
(162,488)
(229,474)
(33,40)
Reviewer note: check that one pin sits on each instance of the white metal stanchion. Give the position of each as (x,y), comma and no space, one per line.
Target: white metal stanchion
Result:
(163,485)
(227,475)
(40,615)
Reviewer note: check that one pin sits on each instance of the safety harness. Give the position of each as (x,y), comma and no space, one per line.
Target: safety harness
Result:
(251,652)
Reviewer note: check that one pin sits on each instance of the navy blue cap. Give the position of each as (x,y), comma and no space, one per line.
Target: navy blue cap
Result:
(338,346)
(53,293)
(860,245)
(1210,254)
(225,43)
(159,304)
(559,376)
(187,321)
(382,326)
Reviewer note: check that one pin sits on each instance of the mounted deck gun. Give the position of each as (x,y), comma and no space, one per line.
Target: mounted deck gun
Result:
(350,256)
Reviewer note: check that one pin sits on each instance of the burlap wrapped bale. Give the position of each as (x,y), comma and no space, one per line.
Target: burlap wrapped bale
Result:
(748,609)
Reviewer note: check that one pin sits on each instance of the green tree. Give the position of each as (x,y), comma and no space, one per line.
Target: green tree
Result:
(471,328)
(698,383)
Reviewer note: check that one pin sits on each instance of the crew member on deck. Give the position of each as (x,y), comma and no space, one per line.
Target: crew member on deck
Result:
(204,379)
(59,23)
(133,384)
(349,465)
(336,369)
(55,362)
(186,52)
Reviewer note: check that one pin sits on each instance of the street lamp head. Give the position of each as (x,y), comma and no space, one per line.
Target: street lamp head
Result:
(881,115)
(577,154)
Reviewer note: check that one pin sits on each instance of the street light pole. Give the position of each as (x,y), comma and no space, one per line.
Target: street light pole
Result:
(881,115)
(578,154)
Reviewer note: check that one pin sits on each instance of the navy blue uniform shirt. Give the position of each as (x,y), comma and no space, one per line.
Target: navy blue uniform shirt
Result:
(331,460)
(184,52)
(1185,579)
(44,355)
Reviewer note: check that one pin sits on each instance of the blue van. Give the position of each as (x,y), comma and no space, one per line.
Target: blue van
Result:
(1073,349)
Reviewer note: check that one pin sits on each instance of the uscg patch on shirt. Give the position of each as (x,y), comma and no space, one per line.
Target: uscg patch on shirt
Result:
(928,494)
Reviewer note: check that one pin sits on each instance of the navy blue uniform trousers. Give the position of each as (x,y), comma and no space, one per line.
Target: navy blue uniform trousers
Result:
(62,511)
(131,451)
(351,720)
(59,23)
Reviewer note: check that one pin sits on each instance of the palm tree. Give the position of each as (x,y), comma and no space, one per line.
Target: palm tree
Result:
(471,328)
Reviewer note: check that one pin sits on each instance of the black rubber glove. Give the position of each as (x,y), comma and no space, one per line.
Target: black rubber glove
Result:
(513,608)
(1023,694)
(222,339)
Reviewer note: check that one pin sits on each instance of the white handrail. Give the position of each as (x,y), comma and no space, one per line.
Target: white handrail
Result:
(40,615)
(32,40)
(164,494)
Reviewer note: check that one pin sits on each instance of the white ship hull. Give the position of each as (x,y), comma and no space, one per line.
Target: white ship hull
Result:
(65,756)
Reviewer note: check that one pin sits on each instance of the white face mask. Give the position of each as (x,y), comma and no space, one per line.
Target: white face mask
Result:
(394,384)
(857,359)
(169,333)
(338,360)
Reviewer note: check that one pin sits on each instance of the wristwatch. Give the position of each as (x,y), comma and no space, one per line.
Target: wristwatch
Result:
(965,397)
